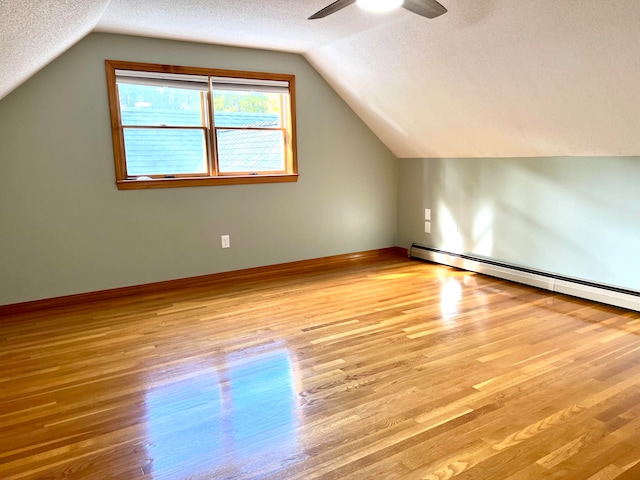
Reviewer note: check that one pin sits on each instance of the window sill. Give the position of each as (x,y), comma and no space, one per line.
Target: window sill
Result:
(204,181)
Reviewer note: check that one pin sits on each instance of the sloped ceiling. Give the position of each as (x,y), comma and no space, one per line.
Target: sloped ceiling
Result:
(491,78)
(33,33)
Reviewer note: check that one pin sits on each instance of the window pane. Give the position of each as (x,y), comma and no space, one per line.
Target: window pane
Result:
(154,151)
(250,150)
(151,105)
(247,109)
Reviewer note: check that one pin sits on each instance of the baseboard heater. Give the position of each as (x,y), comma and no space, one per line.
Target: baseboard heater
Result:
(609,295)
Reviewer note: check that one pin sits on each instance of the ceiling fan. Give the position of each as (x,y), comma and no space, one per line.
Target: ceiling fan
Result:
(426,8)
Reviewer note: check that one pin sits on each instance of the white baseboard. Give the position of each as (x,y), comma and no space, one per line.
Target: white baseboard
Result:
(577,288)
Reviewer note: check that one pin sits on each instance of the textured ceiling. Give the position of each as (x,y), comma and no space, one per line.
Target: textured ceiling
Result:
(489,78)
(34,32)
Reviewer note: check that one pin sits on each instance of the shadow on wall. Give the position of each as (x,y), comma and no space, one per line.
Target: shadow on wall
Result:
(571,216)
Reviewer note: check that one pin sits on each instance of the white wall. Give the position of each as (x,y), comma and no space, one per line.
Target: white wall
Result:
(573,216)
(66,229)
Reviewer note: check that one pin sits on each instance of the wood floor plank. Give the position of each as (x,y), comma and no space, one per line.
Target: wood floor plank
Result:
(387,368)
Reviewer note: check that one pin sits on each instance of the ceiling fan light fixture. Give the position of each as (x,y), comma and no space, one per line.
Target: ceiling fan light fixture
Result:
(379,5)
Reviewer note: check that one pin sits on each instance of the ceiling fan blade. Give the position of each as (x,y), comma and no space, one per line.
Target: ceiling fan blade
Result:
(426,8)
(333,8)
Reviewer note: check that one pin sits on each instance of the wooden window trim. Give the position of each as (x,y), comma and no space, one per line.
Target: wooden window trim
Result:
(215,177)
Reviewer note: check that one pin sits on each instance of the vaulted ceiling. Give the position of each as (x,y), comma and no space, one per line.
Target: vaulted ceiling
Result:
(490,78)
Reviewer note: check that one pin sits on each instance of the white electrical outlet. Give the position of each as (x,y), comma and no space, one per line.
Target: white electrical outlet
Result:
(225,241)
(427,214)
(427,227)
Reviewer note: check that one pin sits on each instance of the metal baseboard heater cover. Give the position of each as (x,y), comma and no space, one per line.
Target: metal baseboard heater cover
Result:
(609,295)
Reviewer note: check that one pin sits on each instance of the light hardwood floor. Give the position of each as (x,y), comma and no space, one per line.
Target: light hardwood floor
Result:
(389,369)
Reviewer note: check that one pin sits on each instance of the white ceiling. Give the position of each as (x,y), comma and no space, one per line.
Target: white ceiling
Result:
(489,78)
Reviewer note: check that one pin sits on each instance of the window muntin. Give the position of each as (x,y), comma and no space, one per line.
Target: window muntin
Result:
(192,126)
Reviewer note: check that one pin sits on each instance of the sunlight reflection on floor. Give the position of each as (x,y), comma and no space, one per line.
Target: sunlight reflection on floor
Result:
(238,416)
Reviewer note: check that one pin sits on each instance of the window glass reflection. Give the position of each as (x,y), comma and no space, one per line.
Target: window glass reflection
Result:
(185,422)
(239,415)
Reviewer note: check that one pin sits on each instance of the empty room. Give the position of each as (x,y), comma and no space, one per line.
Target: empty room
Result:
(319,239)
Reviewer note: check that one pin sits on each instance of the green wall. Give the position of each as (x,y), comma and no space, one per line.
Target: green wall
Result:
(66,229)
(573,216)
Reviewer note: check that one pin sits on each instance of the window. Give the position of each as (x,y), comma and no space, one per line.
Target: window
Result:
(185,126)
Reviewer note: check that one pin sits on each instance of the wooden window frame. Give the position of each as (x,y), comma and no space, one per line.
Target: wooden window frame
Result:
(213,176)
